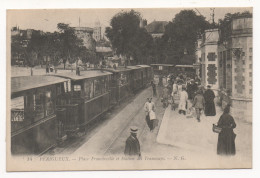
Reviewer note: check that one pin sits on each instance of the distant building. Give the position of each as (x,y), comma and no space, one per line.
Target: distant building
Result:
(156,28)
(85,33)
(97,31)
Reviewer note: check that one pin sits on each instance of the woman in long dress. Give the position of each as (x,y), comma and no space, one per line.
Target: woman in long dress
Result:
(183,101)
(226,138)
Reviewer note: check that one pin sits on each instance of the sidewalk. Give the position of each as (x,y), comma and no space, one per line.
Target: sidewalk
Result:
(198,139)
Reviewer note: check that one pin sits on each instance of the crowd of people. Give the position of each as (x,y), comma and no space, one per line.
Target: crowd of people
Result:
(193,99)
(188,90)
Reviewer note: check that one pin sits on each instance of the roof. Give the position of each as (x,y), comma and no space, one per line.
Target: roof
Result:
(191,66)
(83,74)
(144,66)
(29,82)
(156,27)
(118,69)
(169,65)
(134,67)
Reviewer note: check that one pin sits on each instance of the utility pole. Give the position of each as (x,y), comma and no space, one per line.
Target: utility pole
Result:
(213,15)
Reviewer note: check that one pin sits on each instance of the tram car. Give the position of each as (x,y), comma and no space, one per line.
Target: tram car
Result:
(185,68)
(33,118)
(120,84)
(163,69)
(147,74)
(91,92)
(46,109)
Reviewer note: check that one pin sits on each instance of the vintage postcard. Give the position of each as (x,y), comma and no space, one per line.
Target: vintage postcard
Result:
(129,89)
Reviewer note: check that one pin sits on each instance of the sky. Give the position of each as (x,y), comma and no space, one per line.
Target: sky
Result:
(47,20)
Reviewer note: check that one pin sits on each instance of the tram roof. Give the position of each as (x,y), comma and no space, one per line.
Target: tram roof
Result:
(118,69)
(144,66)
(170,65)
(184,66)
(23,83)
(83,74)
(134,67)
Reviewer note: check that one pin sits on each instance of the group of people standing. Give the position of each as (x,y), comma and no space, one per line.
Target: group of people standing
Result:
(188,91)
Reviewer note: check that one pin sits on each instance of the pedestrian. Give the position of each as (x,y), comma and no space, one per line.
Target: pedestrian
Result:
(226,137)
(47,68)
(164,97)
(174,88)
(179,86)
(199,104)
(152,117)
(132,146)
(154,89)
(209,96)
(147,117)
(183,101)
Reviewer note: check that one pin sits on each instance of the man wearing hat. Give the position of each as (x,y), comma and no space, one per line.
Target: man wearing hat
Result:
(209,96)
(132,146)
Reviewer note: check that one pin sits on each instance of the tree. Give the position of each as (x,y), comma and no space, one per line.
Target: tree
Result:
(69,42)
(126,36)
(181,34)
(225,24)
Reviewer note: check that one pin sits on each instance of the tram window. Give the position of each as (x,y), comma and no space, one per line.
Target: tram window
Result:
(49,103)
(97,87)
(17,109)
(38,106)
(89,89)
(76,90)
(122,79)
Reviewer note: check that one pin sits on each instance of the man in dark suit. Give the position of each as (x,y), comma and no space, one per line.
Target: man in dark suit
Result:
(132,146)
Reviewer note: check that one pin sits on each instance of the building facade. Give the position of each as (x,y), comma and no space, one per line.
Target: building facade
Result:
(85,33)
(236,67)
(97,31)
(156,28)
(209,58)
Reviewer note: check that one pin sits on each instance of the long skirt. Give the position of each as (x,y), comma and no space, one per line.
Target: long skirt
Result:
(226,142)
(210,109)
(151,123)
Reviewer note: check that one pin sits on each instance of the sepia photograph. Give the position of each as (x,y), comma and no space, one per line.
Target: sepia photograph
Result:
(129,88)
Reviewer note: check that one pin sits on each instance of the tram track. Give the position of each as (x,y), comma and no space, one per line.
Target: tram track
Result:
(133,117)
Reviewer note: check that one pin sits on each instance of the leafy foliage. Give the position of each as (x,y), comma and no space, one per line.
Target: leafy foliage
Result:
(126,36)
(225,24)
(181,34)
